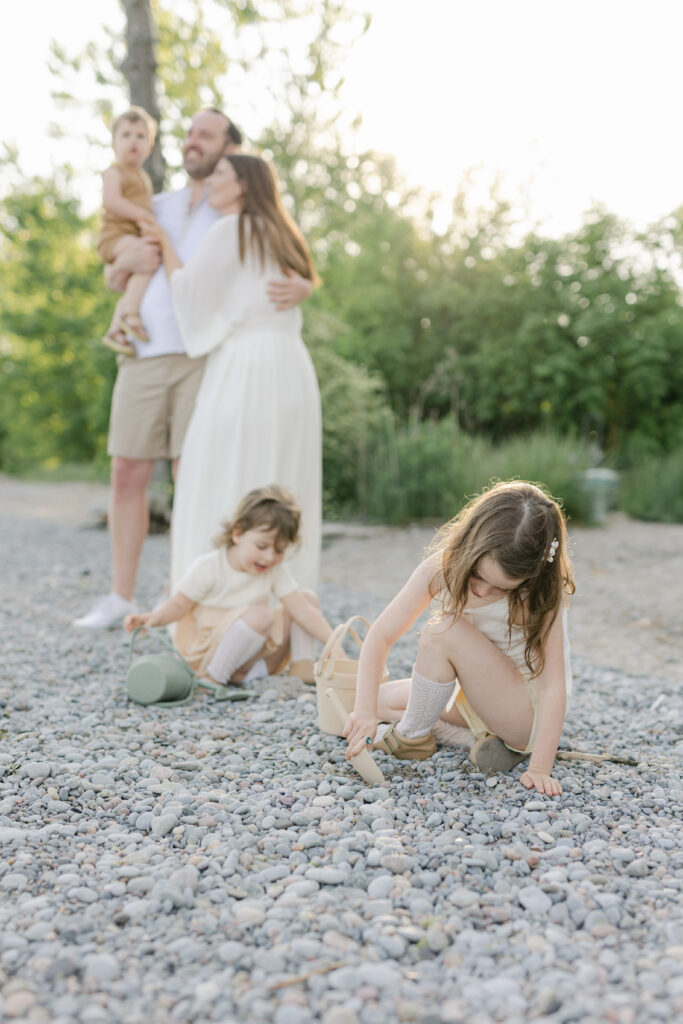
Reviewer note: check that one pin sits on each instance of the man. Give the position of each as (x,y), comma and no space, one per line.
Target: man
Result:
(154,394)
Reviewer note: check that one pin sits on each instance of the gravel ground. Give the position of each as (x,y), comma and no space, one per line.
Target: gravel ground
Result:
(223,863)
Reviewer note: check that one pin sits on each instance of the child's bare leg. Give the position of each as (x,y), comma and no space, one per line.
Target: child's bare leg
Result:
(129,305)
(240,644)
(392,700)
(303,646)
(492,684)
(274,660)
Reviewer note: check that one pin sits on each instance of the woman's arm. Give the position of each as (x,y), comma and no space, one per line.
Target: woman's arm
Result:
(114,202)
(170,611)
(550,712)
(307,616)
(169,256)
(396,618)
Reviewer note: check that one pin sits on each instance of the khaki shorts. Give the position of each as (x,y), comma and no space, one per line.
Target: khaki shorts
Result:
(480,729)
(152,404)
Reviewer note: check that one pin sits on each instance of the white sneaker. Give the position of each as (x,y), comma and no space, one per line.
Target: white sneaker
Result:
(106,613)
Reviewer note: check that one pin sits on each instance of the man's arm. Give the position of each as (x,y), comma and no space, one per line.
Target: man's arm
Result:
(289,291)
(137,256)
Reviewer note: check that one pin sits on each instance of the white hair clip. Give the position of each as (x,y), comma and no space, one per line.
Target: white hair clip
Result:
(554,545)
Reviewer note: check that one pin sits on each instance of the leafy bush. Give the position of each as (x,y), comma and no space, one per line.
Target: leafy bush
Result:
(653,489)
(354,409)
(428,470)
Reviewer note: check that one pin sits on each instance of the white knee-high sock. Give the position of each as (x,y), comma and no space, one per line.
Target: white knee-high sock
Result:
(239,644)
(426,702)
(302,646)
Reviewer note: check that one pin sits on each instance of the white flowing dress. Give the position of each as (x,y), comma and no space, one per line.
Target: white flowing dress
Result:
(257,418)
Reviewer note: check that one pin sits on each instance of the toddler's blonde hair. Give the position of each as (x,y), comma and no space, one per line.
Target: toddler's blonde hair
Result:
(272,508)
(135,114)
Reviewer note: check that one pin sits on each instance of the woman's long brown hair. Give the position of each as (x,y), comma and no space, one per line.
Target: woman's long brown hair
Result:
(515,523)
(271,231)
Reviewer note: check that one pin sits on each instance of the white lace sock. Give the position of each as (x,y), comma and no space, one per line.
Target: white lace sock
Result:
(259,670)
(426,702)
(239,644)
(302,646)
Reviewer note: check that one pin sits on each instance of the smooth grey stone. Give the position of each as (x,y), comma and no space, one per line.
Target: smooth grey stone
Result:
(463,897)
(13,880)
(381,887)
(534,899)
(101,967)
(163,824)
(230,951)
(327,876)
(638,868)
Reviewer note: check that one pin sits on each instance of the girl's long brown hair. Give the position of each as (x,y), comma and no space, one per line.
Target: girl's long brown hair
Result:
(264,223)
(515,523)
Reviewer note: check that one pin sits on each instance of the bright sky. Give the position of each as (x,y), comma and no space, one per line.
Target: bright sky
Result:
(569,102)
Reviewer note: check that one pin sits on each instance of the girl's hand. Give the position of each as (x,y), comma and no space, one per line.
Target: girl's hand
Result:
(541,781)
(359,725)
(135,620)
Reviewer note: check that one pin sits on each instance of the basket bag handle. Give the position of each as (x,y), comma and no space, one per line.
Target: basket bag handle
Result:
(334,646)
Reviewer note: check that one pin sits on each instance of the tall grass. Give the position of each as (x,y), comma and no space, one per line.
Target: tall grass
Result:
(428,470)
(653,488)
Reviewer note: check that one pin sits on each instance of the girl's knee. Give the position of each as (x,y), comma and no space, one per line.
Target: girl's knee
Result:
(434,636)
(259,618)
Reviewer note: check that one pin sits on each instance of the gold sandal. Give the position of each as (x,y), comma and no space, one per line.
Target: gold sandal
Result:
(492,755)
(406,748)
(132,324)
(116,340)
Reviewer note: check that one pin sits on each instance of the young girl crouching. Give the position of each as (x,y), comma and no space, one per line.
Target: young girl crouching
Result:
(494,657)
(227,630)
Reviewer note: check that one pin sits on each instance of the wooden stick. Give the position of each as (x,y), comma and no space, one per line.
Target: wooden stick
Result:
(298,979)
(579,755)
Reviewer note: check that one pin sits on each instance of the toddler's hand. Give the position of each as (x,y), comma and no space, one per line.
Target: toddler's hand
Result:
(359,725)
(135,620)
(544,783)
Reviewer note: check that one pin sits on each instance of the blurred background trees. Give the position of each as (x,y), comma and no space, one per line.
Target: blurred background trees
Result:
(445,356)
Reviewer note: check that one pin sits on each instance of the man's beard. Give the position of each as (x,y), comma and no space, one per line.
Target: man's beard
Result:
(203,168)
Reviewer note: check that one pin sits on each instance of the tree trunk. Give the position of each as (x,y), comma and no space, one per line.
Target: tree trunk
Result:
(139,68)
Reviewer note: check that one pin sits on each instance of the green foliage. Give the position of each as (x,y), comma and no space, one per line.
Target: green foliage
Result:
(653,489)
(429,469)
(56,378)
(444,359)
(354,409)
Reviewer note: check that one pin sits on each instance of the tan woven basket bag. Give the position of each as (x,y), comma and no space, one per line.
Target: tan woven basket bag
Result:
(336,670)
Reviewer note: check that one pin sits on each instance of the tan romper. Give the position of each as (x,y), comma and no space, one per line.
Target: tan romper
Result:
(136,187)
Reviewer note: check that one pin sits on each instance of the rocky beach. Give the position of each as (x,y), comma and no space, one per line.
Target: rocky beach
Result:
(221,862)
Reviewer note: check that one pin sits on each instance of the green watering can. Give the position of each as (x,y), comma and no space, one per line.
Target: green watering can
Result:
(168,679)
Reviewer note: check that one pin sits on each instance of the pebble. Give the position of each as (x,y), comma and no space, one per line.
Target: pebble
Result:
(190,863)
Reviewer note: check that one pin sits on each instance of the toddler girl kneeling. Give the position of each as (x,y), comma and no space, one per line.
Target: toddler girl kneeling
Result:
(227,629)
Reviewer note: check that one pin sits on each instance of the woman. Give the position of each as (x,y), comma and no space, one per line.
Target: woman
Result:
(257,417)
